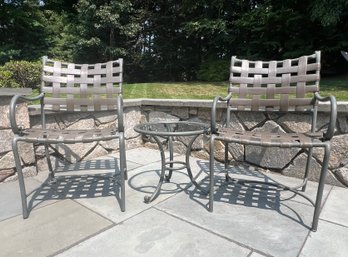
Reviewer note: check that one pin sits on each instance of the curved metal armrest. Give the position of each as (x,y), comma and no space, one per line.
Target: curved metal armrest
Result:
(333,114)
(213,110)
(13,106)
(120,113)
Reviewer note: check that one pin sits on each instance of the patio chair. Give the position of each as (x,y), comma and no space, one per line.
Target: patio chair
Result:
(290,85)
(69,87)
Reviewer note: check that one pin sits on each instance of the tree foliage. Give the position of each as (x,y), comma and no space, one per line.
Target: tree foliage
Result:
(22,30)
(173,40)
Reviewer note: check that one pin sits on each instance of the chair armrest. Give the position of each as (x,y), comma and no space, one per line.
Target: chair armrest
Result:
(120,113)
(13,106)
(213,110)
(333,114)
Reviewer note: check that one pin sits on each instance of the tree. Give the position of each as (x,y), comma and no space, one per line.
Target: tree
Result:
(22,30)
(328,13)
(173,40)
(104,29)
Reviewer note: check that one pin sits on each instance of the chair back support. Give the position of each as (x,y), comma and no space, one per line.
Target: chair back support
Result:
(282,86)
(274,85)
(81,87)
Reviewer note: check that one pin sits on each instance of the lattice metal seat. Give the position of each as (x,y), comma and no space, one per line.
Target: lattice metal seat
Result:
(68,136)
(290,85)
(270,139)
(69,87)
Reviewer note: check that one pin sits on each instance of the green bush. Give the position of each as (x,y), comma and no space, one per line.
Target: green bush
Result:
(6,79)
(20,74)
(213,70)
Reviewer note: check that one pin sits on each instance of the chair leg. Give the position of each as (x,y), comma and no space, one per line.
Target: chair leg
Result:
(20,178)
(321,185)
(123,172)
(211,173)
(308,167)
(124,158)
(49,164)
(226,162)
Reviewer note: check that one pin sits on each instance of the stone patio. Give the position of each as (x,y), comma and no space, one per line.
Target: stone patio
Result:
(80,216)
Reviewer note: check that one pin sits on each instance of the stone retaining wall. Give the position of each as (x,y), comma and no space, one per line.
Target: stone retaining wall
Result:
(288,162)
(7,164)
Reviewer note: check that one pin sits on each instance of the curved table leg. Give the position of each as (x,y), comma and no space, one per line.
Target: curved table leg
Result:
(171,158)
(163,176)
(188,166)
(148,199)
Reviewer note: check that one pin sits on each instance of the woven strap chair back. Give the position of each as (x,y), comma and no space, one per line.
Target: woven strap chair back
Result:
(81,87)
(286,85)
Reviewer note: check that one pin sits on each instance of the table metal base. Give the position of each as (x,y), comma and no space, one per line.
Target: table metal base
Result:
(169,166)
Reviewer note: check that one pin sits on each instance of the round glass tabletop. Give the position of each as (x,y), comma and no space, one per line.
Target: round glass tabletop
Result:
(176,128)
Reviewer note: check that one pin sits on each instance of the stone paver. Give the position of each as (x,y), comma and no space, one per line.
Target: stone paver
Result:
(259,219)
(10,200)
(257,222)
(336,207)
(49,229)
(156,234)
(143,155)
(254,254)
(142,181)
(100,165)
(329,240)
(81,216)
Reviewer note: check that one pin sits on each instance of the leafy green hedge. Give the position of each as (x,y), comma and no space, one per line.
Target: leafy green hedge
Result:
(20,74)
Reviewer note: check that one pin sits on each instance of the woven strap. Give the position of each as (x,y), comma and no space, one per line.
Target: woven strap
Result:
(274,85)
(83,87)
(268,138)
(68,136)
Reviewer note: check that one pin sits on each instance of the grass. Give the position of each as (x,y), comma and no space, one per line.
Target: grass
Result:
(337,86)
(168,90)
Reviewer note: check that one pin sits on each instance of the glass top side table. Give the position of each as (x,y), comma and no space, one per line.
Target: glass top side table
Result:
(169,130)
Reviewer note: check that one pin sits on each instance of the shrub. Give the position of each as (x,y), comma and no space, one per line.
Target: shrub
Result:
(213,70)
(6,79)
(20,74)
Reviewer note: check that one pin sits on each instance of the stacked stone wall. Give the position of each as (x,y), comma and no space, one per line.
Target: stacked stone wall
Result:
(7,164)
(289,162)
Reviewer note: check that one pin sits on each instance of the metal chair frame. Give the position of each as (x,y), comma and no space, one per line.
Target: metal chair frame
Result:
(69,87)
(275,86)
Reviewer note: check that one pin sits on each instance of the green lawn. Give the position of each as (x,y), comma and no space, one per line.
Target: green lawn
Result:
(168,90)
(337,86)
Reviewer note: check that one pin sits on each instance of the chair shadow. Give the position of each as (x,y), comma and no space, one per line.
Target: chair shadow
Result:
(80,186)
(252,195)
(138,183)
(176,187)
